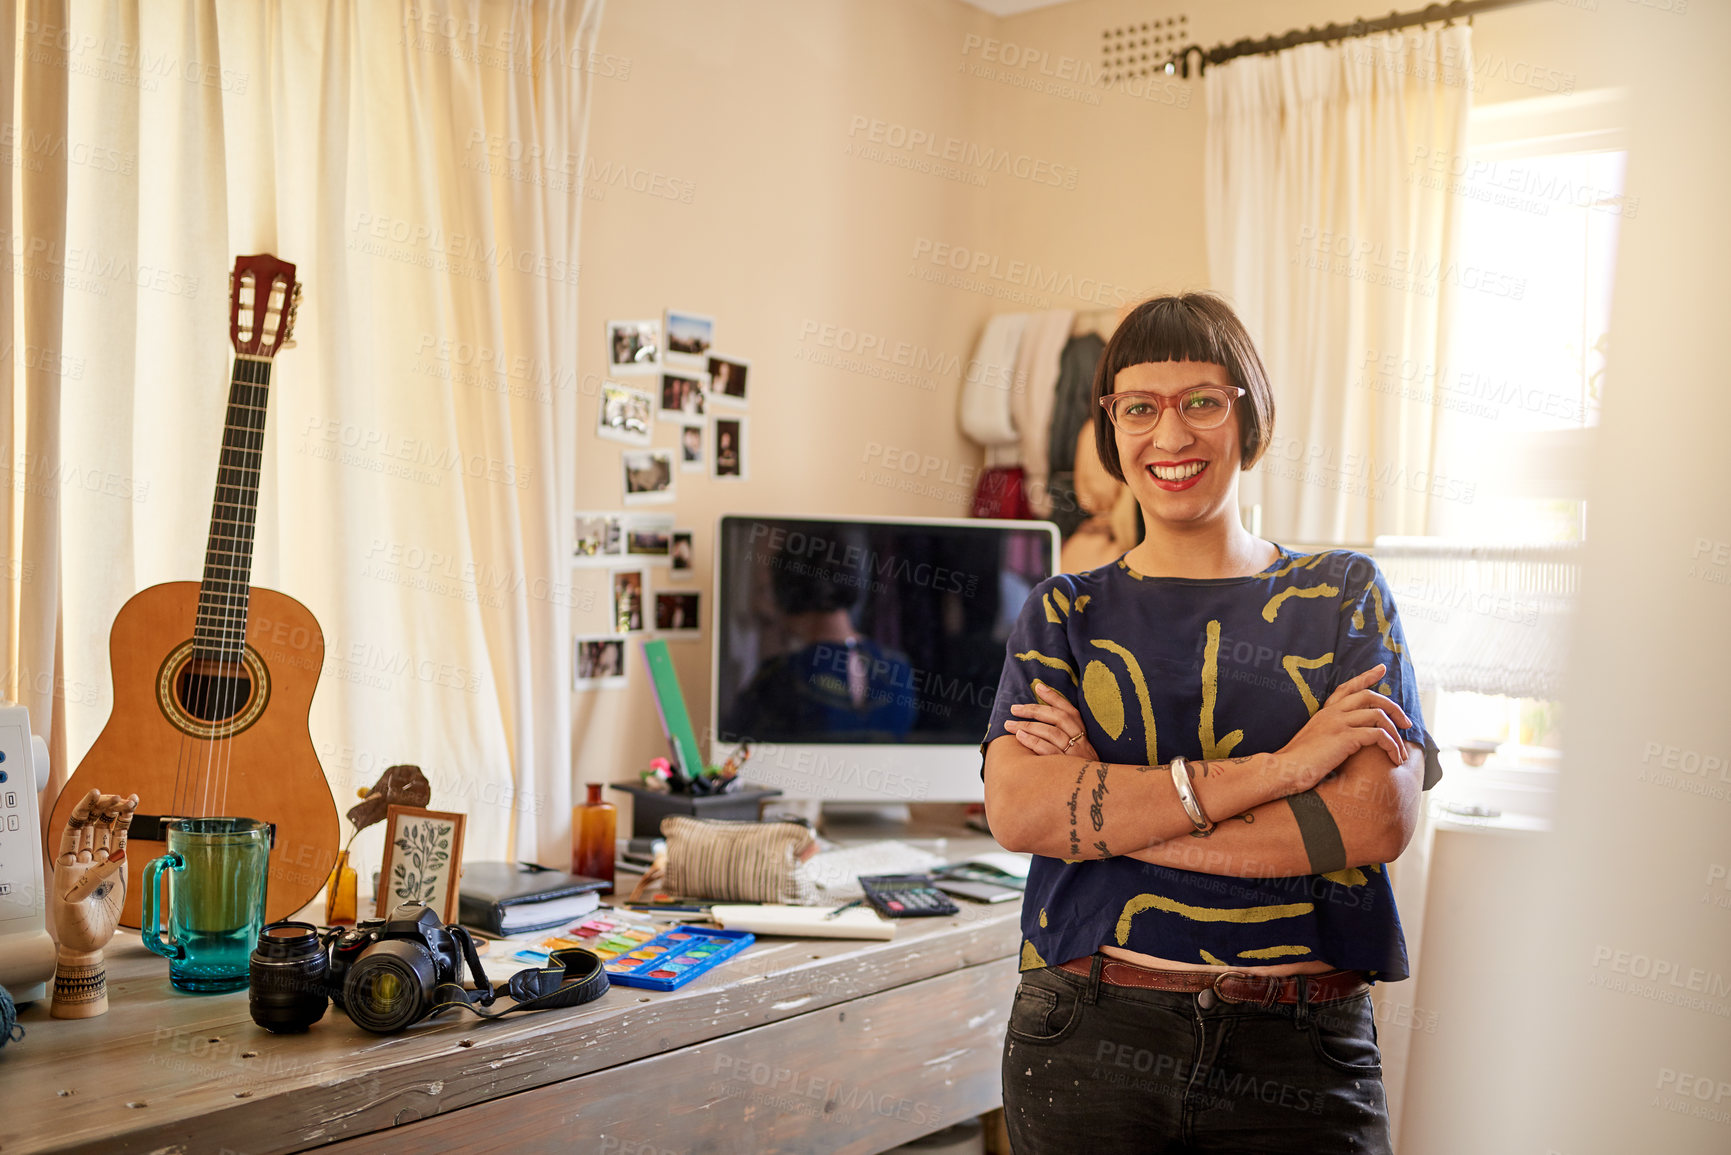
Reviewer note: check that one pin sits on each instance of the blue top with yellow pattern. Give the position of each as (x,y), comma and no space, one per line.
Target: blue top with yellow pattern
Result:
(1210,668)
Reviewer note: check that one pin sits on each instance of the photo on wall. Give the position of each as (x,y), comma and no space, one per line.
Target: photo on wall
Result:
(676,614)
(692,458)
(600,539)
(690,336)
(599,663)
(648,475)
(633,346)
(649,536)
(727,379)
(729,442)
(682,396)
(625,413)
(681,556)
(628,601)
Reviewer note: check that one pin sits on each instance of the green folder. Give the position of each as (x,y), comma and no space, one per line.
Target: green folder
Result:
(670,701)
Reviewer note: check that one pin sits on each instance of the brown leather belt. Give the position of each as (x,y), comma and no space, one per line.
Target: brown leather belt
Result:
(1227,986)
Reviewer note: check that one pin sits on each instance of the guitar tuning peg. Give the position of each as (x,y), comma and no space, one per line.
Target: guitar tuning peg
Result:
(289,314)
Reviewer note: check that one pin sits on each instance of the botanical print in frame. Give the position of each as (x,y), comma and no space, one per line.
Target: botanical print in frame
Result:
(423,860)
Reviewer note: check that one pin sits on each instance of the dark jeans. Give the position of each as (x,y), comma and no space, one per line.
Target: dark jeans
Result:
(1095,1069)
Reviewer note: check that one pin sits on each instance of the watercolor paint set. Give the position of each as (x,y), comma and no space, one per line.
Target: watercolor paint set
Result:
(675,957)
(607,937)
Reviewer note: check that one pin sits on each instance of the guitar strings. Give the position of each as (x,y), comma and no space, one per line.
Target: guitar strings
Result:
(248,525)
(227,537)
(221,688)
(244,521)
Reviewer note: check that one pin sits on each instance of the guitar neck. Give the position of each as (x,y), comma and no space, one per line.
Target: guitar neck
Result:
(220,630)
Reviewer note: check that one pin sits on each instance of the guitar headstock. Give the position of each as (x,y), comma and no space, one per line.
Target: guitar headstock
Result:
(263,296)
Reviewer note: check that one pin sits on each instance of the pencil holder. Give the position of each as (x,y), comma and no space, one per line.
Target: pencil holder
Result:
(649,807)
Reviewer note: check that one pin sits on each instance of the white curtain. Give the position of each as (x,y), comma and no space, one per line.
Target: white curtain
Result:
(1330,237)
(418,163)
(1326,233)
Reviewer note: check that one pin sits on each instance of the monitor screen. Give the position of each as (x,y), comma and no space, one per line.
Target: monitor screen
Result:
(842,631)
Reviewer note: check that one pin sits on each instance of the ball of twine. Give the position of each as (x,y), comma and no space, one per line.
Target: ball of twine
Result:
(10,1030)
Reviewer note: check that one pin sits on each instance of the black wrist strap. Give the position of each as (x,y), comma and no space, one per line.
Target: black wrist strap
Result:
(575,976)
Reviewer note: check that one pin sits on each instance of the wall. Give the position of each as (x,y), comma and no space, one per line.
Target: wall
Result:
(802,250)
(1138,218)
(778,191)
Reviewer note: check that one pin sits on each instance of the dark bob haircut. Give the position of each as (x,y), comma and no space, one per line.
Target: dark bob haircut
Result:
(1187,327)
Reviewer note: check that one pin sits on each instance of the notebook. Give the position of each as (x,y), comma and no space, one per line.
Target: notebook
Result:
(504,898)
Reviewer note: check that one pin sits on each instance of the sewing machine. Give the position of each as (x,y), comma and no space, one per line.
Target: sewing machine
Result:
(26,950)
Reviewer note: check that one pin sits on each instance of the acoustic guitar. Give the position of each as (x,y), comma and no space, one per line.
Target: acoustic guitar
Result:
(213,680)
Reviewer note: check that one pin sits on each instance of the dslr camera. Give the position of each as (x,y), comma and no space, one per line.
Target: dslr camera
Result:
(384,972)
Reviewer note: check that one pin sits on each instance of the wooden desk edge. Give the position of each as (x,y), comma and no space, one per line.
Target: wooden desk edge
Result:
(349,1084)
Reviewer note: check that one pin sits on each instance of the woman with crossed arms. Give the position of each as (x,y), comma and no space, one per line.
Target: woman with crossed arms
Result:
(1212,747)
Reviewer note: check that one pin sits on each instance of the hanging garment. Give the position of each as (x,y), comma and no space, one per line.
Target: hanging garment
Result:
(1001,493)
(1072,407)
(1037,366)
(989,381)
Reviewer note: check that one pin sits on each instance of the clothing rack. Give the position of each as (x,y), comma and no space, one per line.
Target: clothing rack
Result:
(1179,62)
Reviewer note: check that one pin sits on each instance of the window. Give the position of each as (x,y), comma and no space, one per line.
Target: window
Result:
(1542,199)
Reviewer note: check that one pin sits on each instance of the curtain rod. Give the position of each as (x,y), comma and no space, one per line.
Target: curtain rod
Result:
(1179,62)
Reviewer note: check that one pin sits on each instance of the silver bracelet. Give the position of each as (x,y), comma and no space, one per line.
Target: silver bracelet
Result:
(1187,795)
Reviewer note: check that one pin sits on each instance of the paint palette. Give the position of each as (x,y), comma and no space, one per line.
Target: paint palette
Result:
(675,957)
(607,937)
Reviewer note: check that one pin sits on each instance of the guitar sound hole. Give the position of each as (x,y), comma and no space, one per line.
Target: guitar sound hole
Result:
(212,692)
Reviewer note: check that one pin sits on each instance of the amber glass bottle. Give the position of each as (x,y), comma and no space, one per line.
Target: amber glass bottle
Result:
(592,830)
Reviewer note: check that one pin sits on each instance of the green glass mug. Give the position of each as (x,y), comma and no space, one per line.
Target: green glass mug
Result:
(217,872)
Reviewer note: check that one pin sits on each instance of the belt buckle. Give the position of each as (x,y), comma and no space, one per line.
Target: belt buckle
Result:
(1268,999)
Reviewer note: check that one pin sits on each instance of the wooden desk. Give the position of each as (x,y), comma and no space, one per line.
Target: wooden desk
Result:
(797,1045)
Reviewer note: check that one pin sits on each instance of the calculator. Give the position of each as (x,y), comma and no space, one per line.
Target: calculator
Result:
(905,895)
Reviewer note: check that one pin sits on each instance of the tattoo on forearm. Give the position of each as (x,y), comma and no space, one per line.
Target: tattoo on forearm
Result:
(1101,847)
(1075,838)
(1316,826)
(1097,811)
(1220,764)
(1245,817)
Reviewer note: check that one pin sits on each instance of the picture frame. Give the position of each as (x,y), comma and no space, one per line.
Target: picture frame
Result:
(690,337)
(634,346)
(648,475)
(648,537)
(625,413)
(678,614)
(684,397)
(727,449)
(727,378)
(598,538)
(599,662)
(630,591)
(423,860)
(681,555)
(693,449)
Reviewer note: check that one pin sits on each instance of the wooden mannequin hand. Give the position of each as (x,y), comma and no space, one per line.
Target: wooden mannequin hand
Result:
(85,900)
(1049,725)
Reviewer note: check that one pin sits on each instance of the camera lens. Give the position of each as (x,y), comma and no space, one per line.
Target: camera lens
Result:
(288,969)
(390,986)
(348,947)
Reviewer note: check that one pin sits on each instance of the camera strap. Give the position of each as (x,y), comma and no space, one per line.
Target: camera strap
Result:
(574,976)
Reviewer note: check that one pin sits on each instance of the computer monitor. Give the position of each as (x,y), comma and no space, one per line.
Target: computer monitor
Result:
(860,656)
